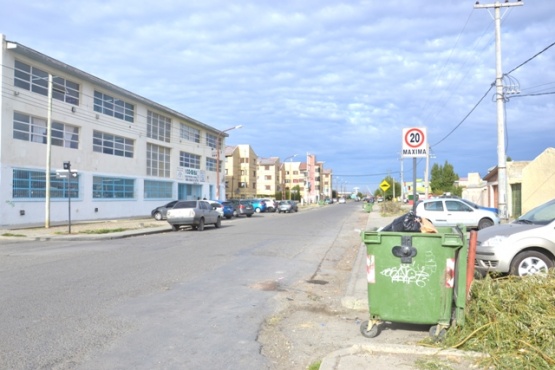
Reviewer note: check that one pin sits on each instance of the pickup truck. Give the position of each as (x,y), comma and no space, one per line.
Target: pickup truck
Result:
(194,213)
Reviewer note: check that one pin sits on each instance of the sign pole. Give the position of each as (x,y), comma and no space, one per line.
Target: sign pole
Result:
(414,184)
(67,166)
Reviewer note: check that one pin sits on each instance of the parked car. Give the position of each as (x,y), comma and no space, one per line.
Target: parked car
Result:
(453,212)
(288,206)
(218,207)
(159,213)
(243,208)
(228,209)
(271,205)
(523,247)
(195,213)
(342,200)
(259,205)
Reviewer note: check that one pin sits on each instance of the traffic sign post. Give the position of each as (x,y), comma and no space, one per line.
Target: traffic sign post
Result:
(67,173)
(415,145)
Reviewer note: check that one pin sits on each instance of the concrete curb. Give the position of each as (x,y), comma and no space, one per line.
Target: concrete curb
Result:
(346,355)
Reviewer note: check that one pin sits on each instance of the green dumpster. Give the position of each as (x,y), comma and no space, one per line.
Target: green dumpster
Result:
(368,207)
(416,278)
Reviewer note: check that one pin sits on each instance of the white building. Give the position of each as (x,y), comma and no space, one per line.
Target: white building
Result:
(130,154)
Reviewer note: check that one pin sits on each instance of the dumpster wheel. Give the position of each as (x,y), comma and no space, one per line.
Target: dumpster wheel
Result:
(369,333)
(438,332)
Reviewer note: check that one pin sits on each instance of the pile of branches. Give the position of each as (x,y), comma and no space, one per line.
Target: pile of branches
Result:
(510,319)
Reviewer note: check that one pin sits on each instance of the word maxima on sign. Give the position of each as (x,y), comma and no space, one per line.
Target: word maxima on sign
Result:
(415,142)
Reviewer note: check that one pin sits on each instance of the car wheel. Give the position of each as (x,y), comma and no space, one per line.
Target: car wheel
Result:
(257,210)
(484,222)
(228,217)
(158,216)
(175,227)
(235,214)
(530,263)
(218,223)
(200,226)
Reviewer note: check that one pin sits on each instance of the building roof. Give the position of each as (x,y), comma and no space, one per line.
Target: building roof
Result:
(268,161)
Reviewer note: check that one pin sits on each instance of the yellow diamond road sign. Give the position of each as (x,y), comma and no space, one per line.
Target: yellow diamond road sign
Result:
(384,185)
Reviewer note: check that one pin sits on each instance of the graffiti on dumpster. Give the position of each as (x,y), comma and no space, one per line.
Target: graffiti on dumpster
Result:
(412,273)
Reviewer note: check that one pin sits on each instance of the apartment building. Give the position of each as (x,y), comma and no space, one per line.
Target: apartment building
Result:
(68,135)
(268,177)
(240,172)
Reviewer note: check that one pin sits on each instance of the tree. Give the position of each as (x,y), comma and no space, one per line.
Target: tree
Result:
(443,179)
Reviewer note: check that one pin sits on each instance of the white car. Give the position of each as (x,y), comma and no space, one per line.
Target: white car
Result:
(453,212)
(194,213)
(526,246)
(218,207)
(342,200)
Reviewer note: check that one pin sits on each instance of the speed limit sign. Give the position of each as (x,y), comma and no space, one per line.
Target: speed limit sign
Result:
(415,142)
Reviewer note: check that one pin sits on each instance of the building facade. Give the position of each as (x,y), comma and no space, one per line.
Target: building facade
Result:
(126,154)
(268,175)
(241,164)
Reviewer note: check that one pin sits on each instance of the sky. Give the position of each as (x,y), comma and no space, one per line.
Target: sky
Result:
(337,79)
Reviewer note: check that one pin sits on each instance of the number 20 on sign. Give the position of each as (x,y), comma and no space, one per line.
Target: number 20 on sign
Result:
(415,142)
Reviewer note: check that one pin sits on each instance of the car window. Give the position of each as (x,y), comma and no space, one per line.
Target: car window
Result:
(186,204)
(436,206)
(455,206)
(542,215)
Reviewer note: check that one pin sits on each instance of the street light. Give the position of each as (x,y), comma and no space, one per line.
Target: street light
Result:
(218,148)
(285,160)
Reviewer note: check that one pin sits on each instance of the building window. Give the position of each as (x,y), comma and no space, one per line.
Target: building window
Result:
(268,187)
(158,189)
(36,80)
(32,184)
(112,144)
(268,177)
(157,160)
(113,107)
(34,129)
(211,140)
(113,187)
(189,133)
(211,164)
(245,160)
(189,160)
(158,127)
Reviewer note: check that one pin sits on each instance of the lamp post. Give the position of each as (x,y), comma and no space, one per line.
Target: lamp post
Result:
(285,160)
(218,148)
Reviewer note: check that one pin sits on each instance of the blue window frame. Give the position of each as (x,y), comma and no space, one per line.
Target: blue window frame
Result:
(32,184)
(158,189)
(113,188)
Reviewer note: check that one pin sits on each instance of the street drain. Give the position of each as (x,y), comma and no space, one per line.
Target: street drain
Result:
(319,282)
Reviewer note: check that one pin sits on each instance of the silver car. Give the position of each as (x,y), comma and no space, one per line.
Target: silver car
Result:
(288,206)
(195,213)
(524,247)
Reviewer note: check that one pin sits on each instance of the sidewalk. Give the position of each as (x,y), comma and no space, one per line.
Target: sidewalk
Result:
(373,355)
(86,230)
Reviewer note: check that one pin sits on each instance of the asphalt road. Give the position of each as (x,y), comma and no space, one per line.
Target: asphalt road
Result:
(178,300)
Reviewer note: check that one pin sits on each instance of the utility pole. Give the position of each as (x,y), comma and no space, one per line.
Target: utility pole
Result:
(501,155)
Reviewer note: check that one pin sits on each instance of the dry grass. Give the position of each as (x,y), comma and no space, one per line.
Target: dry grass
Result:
(512,320)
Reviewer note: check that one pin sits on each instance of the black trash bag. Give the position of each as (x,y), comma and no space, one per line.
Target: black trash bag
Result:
(408,222)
